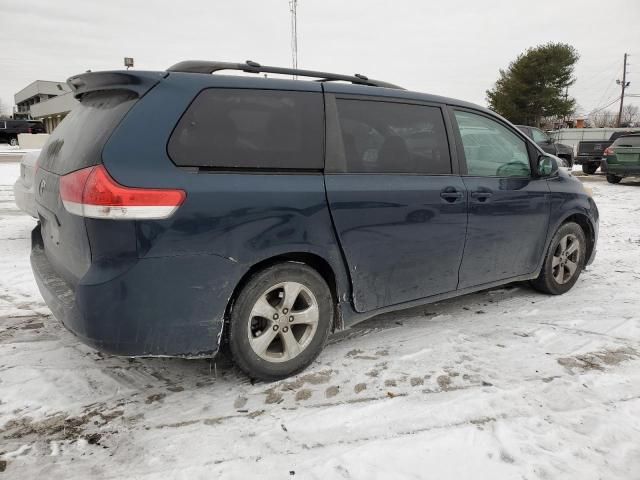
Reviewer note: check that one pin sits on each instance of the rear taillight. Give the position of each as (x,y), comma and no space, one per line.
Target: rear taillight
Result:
(91,192)
(608,151)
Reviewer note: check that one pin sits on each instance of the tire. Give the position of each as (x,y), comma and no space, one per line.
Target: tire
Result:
(613,178)
(589,168)
(266,308)
(555,279)
(13,141)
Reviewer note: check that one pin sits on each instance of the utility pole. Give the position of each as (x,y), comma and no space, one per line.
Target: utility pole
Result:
(293,8)
(624,84)
(566,97)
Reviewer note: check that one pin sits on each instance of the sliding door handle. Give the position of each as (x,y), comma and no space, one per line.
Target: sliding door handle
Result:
(450,194)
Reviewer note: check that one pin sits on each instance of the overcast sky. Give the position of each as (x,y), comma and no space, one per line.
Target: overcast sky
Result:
(451,48)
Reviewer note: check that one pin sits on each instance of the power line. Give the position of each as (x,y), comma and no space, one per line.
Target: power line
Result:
(607,102)
(594,79)
(605,94)
(602,108)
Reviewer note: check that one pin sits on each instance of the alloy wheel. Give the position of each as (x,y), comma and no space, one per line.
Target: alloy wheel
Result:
(283,321)
(565,259)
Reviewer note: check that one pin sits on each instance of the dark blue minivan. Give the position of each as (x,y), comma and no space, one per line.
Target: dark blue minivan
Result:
(185,210)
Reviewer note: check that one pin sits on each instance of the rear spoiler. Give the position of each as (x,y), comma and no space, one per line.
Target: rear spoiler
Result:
(139,82)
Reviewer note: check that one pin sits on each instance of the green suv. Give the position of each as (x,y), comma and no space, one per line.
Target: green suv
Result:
(622,158)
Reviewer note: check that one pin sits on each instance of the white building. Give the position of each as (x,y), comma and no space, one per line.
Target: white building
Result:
(36,92)
(44,100)
(51,112)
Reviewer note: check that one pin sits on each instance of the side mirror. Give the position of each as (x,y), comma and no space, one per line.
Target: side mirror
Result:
(547,166)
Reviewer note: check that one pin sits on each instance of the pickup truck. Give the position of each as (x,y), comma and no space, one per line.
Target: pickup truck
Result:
(9,129)
(592,152)
(547,144)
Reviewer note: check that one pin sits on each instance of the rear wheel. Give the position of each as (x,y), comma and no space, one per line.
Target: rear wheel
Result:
(564,261)
(13,141)
(589,168)
(613,178)
(280,321)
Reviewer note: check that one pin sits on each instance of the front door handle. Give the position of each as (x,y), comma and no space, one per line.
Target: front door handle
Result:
(481,195)
(450,194)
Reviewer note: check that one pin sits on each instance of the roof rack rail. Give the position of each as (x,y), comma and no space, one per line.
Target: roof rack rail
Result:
(203,66)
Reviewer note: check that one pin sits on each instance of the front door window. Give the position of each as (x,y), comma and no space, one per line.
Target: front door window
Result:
(490,149)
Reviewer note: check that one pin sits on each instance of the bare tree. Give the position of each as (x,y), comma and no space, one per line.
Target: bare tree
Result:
(630,115)
(3,110)
(603,118)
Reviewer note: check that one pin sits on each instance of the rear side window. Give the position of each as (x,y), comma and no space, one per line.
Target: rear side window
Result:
(240,128)
(387,137)
(78,141)
(627,141)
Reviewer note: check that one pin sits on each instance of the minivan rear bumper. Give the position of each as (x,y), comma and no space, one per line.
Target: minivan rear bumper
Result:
(166,306)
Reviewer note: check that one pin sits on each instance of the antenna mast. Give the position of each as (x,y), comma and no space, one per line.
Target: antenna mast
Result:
(293,8)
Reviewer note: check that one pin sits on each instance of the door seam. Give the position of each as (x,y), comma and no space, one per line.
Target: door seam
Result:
(466,231)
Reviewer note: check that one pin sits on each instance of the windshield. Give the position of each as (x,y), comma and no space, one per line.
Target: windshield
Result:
(539,136)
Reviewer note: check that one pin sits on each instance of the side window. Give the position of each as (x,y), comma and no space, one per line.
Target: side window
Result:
(3,125)
(490,149)
(525,130)
(240,128)
(538,136)
(386,137)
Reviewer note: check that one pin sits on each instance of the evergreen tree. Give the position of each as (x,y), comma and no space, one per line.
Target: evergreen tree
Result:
(534,85)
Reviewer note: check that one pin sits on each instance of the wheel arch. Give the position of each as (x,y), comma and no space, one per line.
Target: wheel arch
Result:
(584,222)
(319,264)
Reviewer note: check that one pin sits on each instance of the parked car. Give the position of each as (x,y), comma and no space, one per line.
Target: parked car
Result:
(548,144)
(591,152)
(9,129)
(622,158)
(182,211)
(23,190)
(615,135)
(563,164)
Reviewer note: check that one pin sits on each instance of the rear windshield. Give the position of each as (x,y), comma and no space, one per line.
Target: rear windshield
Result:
(616,135)
(627,141)
(233,128)
(78,141)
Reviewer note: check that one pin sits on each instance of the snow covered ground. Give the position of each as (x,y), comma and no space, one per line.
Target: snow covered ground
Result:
(503,384)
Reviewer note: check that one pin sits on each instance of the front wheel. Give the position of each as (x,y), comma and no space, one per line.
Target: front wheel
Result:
(280,321)
(613,178)
(564,260)
(589,168)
